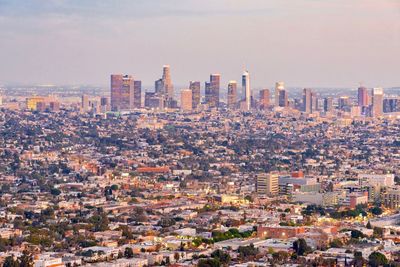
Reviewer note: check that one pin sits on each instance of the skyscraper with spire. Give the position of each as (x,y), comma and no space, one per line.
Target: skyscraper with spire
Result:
(246,89)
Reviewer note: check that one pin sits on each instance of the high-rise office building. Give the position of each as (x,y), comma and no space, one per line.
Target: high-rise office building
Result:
(363,97)
(54,106)
(267,184)
(377,102)
(283,98)
(264,98)
(328,104)
(212,91)
(278,87)
(122,92)
(314,102)
(85,103)
(137,94)
(168,88)
(104,104)
(307,100)
(196,95)
(158,86)
(391,104)
(246,89)
(232,95)
(186,100)
(344,103)
(154,100)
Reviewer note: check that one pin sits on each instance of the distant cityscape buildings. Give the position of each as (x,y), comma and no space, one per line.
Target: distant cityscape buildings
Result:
(196,93)
(232,95)
(279,86)
(246,89)
(126,94)
(264,98)
(363,97)
(377,102)
(137,94)
(212,91)
(186,100)
(122,92)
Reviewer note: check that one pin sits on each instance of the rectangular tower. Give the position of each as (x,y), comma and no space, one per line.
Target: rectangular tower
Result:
(264,98)
(137,100)
(212,91)
(363,97)
(122,92)
(307,100)
(267,184)
(186,100)
(377,102)
(232,95)
(196,95)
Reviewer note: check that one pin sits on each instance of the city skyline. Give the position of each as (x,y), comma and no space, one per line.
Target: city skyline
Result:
(87,40)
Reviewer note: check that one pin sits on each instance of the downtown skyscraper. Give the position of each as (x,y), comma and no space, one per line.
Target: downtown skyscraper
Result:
(232,95)
(377,102)
(264,98)
(168,88)
(137,96)
(196,94)
(122,92)
(212,90)
(279,86)
(307,100)
(164,88)
(186,100)
(363,97)
(246,89)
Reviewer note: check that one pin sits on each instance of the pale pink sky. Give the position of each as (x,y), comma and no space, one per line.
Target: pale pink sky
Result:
(316,43)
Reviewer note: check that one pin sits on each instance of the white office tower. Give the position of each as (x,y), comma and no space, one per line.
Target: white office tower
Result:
(246,89)
(279,86)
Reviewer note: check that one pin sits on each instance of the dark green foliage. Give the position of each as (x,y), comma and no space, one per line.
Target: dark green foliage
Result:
(223,257)
(336,243)
(356,234)
(100,222)
(300,247)
(376,210)
(208,263)
(377,259)
(247,251)
(55,191)
(128,253)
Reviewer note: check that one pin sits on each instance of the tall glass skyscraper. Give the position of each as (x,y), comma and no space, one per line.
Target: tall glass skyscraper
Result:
(168,88)
(377,102)
(137,102)
(246,89)
(363,98)
(264,98)
(232,95)
(212,91)
(196,95)
(279,86)
(122,92)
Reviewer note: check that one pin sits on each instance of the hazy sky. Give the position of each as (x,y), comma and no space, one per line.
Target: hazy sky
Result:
(316,43)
